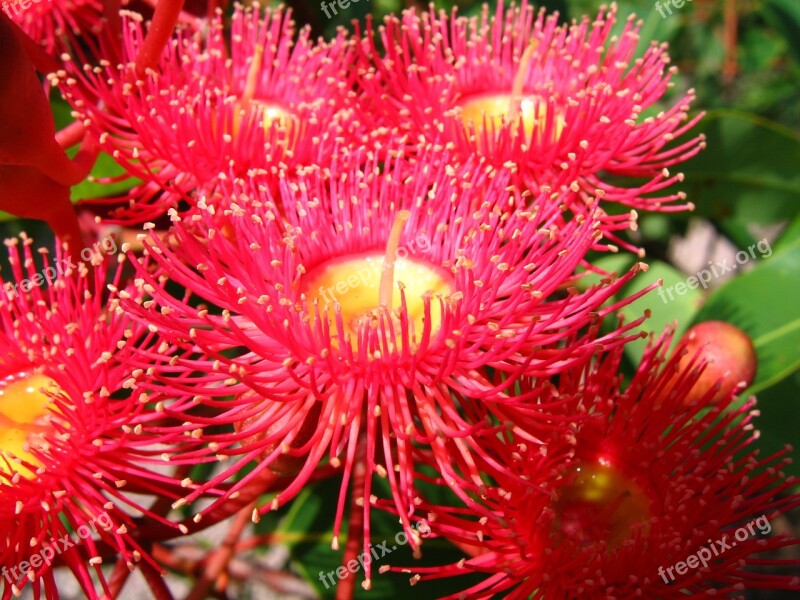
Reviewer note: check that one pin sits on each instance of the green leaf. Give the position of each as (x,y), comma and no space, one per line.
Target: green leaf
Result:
(306,530)
(674,303)
(62,111)
(780,413)
(789,236)
(784,16)
(748,173)
(763,303)
(610,263)
(105,167)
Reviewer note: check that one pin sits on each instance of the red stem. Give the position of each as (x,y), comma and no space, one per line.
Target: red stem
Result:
(730,63)
(346,588)
(217,562)
(111,13)
(118,578)
(185,17)
(188,559)
(164,20)
(155,582)
(263,483)
(68,172)
(71,135)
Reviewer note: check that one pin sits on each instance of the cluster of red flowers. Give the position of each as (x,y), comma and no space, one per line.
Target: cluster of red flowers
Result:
(375,269)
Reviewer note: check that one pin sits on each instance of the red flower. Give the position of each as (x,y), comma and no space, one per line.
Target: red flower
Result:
(313,375)
(55,23)
(564,104)
(275,101)
(609,509)
(69,454)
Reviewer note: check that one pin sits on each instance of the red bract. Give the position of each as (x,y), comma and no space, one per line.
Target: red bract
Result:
(273,101)
(578,94)
(35,172)
(609,508)
(400,376)
(69,455)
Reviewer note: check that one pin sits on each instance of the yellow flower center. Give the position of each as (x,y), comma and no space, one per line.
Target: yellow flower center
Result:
(354,283)
(270,115)
(24,410)
(599,504)
(495,109)
(364,287)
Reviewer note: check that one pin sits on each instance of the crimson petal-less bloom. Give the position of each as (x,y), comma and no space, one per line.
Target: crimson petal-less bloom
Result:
(274,101)
(641,483)
(322,350)
(69,455)
(567,105)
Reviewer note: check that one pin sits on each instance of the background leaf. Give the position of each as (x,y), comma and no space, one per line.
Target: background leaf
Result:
(747,175)
(756,302)
(784,15)
(666,305)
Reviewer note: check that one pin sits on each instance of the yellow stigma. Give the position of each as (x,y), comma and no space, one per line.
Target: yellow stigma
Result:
(364,284)
(270,115)
(499,108)
(532,110)
(24,410)
(599,504)
(248,107)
